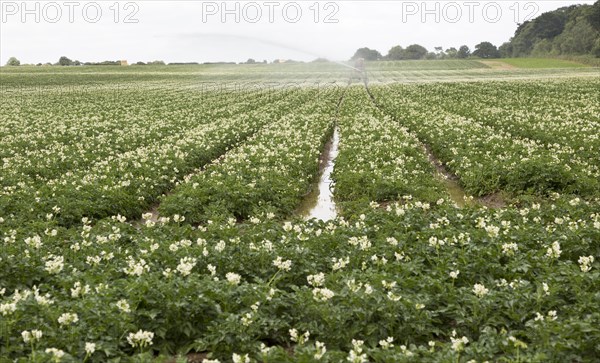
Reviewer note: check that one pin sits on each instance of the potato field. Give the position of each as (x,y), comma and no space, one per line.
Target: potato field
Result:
(150,214)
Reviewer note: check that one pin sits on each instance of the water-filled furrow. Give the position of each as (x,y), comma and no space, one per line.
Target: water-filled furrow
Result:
(319,203)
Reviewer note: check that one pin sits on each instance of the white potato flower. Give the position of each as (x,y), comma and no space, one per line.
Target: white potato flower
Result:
(68,318)
(123,305)
(140,339)
(233,278)
(90,348)
(480,290)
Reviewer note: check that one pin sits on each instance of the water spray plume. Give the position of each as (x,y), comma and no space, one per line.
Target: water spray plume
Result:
(274,44)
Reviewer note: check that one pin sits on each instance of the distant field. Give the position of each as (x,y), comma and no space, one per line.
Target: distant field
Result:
(541,63)
(294,74)
(427,65)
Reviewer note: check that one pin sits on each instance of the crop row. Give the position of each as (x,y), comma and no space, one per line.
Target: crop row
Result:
(563,113)
(270,171)
(397,281)
(487,159)
(378,159)
(39,117)
(408,282)
(129,182)
(52,136)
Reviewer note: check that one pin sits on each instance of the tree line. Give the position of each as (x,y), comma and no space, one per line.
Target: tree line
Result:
(65,61)
(571,30)
(416,51)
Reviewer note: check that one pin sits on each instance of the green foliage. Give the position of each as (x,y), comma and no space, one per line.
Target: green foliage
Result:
(13,62)
(505,50)
(579,38)
(572,30)
(395,53)
(506,136)
(463,52)
(367,54)
(394,282)
(452,53)
(179,140)
(103,63)
(593,16)
(396,165)
(412,52)
(270,171)
(596,49)
(486,50)
(415,51)
(64,61)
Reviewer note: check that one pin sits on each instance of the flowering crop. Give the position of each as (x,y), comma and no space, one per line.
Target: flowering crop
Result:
(403,275)
(379,160)
(128,182)
(234,283)
(270,171)
(518,149)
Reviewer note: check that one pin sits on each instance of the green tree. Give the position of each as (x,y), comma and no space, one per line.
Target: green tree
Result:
(463,52)
(367,54)
(395,53)
(486,50)
(593,16)
(64,61)
(522,42)
(12,61)
(596,49)
(541,49)
(546,26)
(415,51)
(452,53)
(568,30)
(549,25)
(579,37)
(506,50)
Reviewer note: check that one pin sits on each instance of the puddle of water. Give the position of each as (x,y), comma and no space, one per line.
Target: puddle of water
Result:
(456,192)
(319,202)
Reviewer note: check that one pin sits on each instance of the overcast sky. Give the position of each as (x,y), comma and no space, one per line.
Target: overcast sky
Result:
(208,31)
